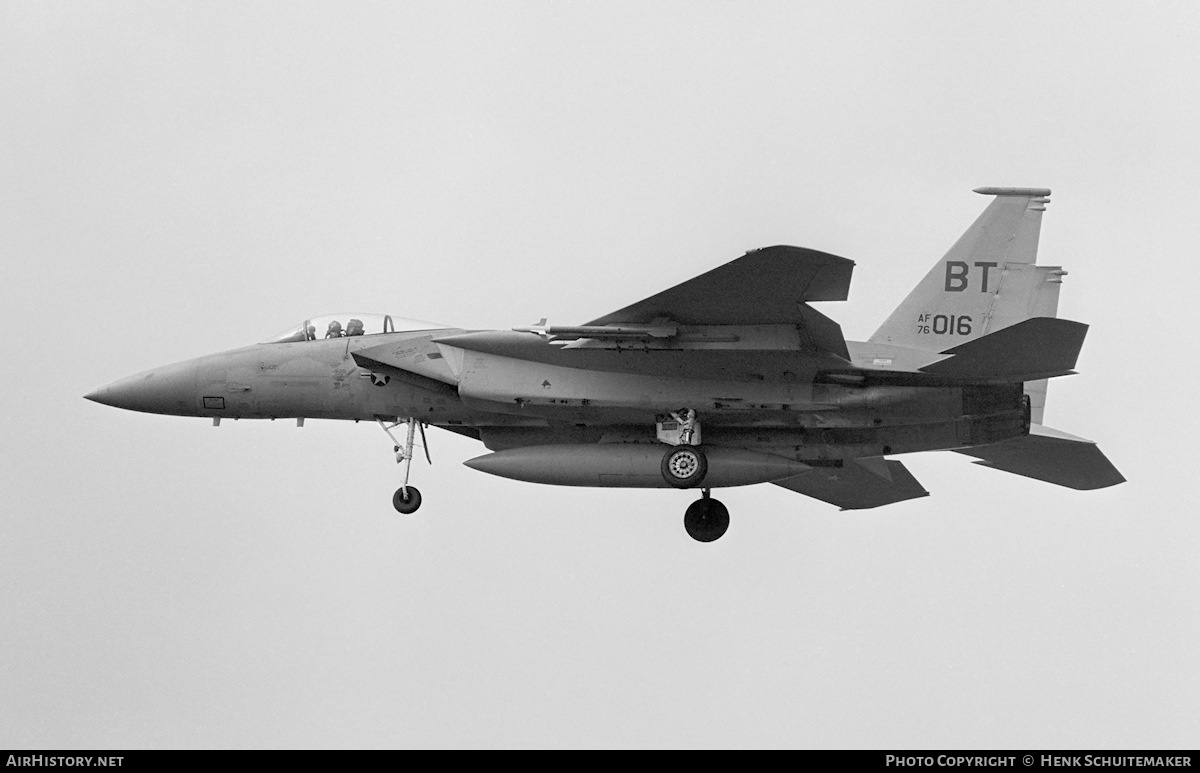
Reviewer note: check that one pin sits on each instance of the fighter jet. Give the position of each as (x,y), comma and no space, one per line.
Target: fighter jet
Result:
(731,378)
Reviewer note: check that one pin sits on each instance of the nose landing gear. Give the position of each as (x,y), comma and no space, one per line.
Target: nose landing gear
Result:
(706,519)
(407,498)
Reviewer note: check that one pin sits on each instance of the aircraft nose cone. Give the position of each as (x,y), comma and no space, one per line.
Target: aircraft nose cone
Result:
(99,396)
(170,389)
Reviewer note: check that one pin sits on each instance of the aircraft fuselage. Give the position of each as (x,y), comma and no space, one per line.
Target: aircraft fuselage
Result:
(729,378)
(509,402)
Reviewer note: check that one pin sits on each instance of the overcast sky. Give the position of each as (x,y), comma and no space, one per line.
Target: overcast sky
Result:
(182,178)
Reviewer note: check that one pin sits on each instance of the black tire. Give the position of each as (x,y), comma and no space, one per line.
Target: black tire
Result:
(406,504)
(706,520)
(684,466)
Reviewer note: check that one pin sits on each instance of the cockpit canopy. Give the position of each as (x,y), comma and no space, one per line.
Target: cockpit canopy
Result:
(348,325)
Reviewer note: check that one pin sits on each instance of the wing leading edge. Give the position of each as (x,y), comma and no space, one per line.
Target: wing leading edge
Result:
(762,287)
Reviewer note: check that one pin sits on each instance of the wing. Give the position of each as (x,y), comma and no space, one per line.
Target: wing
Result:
(763,287)
(859,484)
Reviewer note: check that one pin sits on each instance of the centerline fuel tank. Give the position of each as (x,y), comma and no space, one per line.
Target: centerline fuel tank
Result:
(629,465)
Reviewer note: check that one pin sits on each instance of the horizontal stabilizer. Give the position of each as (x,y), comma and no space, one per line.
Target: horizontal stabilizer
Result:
(1051,456)
(1036,348)
(859,484)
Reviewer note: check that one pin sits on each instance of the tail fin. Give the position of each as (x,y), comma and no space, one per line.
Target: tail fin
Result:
(986,282)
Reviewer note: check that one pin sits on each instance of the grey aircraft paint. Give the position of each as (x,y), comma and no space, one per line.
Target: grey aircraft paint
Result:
(727,379)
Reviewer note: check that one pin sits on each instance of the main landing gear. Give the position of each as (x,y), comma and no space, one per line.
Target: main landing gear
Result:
(685,466)
(706,519)
(407,498)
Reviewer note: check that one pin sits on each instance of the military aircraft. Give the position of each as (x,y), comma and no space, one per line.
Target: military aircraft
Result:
(729,379)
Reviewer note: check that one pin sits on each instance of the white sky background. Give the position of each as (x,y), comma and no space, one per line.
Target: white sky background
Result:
(177,179)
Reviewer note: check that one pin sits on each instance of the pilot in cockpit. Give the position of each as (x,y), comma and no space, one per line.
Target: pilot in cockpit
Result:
(359,324)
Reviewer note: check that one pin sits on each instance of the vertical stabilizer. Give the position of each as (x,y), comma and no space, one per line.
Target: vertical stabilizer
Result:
(986,282)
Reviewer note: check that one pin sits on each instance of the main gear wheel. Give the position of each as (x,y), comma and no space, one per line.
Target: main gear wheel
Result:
(706,519)
(684,466)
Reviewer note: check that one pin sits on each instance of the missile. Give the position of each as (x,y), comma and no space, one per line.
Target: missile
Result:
(629,465)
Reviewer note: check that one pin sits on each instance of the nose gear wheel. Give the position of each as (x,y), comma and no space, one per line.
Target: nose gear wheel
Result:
(407,498)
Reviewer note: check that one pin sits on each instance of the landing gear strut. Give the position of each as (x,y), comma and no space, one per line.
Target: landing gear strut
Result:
(684,465)
(706,519)
(407,498)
